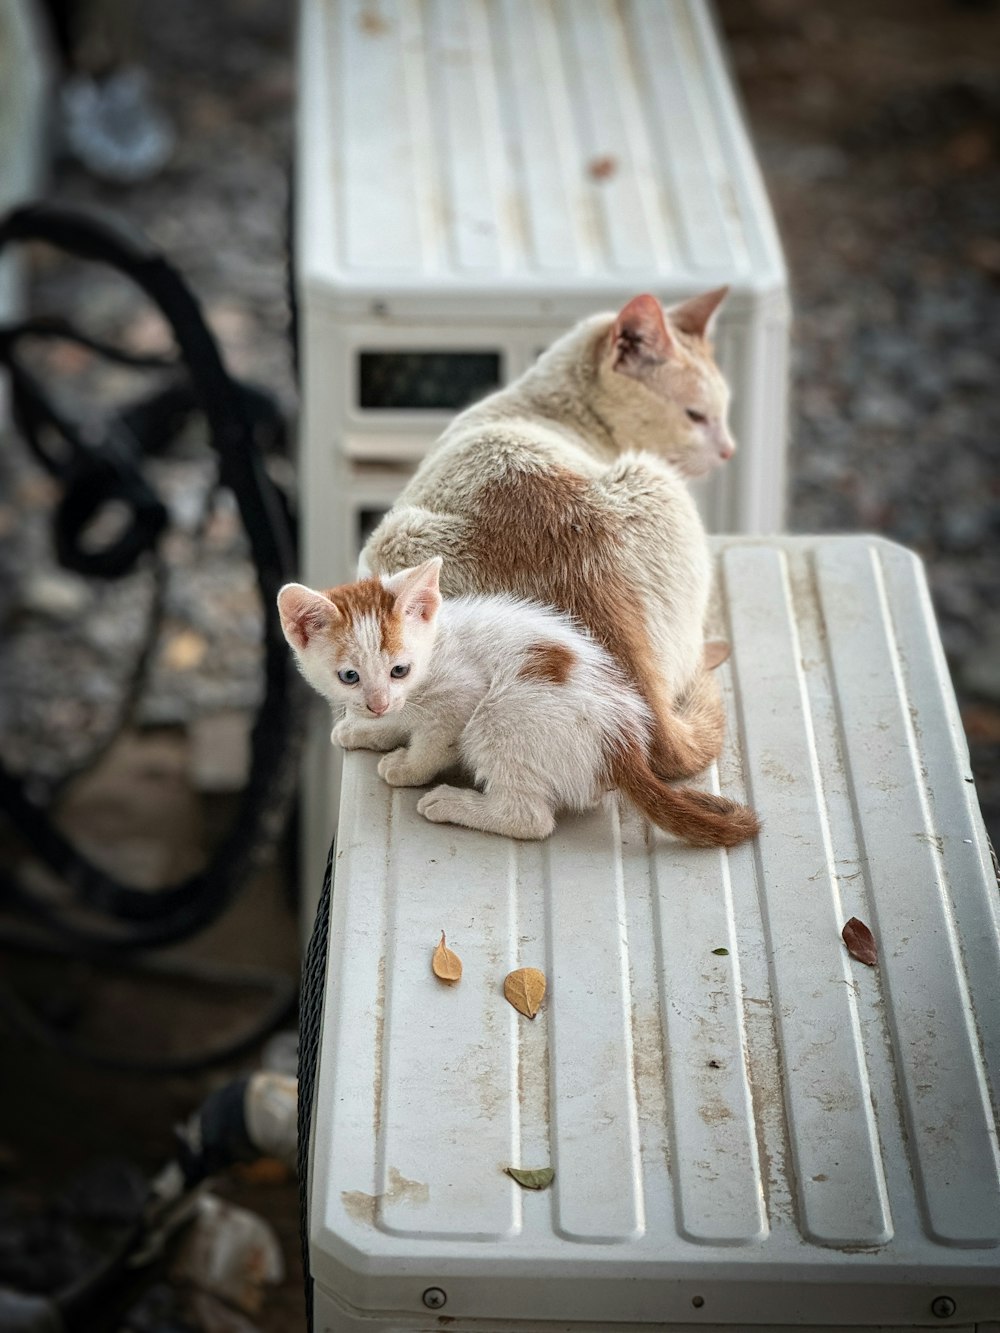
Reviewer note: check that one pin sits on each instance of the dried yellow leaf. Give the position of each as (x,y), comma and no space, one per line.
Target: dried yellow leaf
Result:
(447,965)
(532,1178)
(525,990)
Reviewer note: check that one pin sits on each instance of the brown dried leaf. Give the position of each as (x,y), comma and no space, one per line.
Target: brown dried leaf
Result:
(860,942)
(447,965)
(525,990)
(531,1178)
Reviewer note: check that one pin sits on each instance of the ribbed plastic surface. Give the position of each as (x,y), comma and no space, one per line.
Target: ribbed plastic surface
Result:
(547,144)
(778,1130)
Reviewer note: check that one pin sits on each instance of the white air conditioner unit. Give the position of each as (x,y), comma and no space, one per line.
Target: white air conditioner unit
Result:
(475,177)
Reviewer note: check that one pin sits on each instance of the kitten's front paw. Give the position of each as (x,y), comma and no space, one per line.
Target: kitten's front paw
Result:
(351,735)
(443,805)
(399,771)
(343,735)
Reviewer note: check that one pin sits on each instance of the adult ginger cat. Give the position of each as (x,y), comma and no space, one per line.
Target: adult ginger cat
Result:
(567,488)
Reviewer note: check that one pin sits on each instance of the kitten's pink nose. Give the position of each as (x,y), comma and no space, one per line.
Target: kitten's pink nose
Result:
(726,450)
(377,707)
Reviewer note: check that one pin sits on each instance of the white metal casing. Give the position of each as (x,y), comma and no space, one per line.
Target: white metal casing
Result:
(775,1136)
(480,176)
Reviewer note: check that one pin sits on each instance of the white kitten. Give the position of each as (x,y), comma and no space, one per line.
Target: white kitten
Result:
(540,715)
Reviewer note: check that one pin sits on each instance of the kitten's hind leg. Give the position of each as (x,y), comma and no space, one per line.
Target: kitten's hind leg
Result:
(514,816)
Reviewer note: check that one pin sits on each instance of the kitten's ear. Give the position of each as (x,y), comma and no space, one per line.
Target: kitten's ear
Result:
(304,613)
(694,316)
(640,338)
(417,590)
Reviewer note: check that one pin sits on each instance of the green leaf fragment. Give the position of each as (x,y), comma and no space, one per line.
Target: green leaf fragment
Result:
(721,953)
(535,1178)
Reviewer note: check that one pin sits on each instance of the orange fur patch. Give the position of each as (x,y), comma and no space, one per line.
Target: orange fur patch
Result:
(369,597)
(550,662)
(542,534)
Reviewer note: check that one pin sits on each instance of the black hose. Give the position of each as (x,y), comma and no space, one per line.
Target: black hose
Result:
(129,917)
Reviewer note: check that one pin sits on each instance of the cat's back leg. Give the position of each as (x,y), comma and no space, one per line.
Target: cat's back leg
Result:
(665,562)
(508,812)
(533,749)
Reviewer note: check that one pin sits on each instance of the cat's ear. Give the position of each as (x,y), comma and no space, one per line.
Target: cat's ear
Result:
(417,590)
(694,316)
(640,338)
(715,653)
(304,613)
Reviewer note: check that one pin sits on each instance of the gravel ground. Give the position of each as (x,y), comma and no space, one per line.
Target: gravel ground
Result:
(878,128)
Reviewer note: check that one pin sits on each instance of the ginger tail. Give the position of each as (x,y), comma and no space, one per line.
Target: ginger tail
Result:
(697,817)
(684,737)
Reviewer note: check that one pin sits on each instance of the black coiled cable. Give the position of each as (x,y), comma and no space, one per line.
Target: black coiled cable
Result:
(113,915)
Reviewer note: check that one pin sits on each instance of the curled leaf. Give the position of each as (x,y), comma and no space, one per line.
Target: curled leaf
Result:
(447,965)
(533,1178)
(860,942)
(525,990)
(721,953)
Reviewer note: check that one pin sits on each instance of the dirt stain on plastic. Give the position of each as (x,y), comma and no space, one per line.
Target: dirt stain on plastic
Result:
(362,1207)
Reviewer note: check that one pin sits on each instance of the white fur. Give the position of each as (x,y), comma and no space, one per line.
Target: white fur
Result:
(531,747)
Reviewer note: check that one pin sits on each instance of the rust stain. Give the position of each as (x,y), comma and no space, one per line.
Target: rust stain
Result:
(372,23)
(602,168)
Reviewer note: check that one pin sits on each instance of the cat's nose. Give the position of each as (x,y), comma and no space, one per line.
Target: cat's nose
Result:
(726,449)
(377,707)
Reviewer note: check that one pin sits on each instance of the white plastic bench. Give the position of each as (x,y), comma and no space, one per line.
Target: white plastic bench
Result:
(775,1136)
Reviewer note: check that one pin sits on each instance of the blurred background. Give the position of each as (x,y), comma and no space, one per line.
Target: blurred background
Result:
(877,126)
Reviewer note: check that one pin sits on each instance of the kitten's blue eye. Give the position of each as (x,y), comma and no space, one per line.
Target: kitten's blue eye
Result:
(398,672)
(699,418)
(349,677)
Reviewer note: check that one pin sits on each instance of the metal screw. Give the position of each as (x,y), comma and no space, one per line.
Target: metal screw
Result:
(434,1298)
(943,1306)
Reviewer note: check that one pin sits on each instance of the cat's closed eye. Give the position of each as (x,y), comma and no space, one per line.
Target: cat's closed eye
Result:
(349,676)
(398,672)
(699,418)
